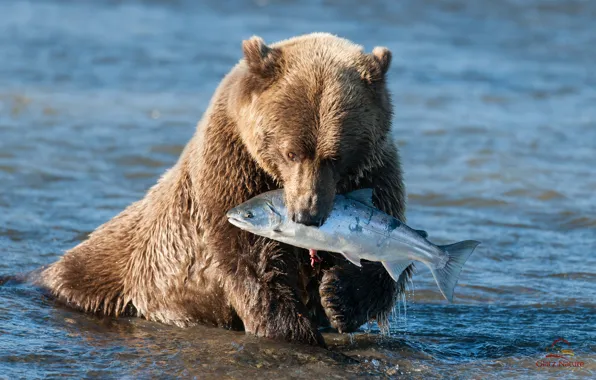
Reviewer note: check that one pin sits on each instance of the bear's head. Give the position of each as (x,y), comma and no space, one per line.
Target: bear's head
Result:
(313,111)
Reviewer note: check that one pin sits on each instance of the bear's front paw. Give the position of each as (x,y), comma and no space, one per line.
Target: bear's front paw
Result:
(339,300)
(353,295)
(288,324)
(304,331)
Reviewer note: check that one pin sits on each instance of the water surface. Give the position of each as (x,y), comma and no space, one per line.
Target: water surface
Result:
(494,116)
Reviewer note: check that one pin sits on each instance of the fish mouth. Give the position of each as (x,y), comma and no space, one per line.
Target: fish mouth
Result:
(238,222)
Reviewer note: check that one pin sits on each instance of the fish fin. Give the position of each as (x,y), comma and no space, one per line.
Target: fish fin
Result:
(422,233)
(395,268)
(354,259)
(447,276)
(362,196)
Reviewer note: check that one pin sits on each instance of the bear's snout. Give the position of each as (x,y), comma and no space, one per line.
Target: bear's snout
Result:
(309,214)
(308,219)
(311,209)
(309,193)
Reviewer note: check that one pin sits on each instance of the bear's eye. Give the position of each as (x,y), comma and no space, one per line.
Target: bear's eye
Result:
(292,156)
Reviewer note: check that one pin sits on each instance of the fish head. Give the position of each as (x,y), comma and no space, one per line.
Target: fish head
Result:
(259,215)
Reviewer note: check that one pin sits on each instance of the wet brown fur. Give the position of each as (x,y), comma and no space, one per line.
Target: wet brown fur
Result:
(173,257)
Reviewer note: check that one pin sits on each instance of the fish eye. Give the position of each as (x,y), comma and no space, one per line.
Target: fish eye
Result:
(248,215)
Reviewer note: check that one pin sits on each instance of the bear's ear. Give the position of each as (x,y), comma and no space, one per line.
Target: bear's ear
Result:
(382,58)
(261,59)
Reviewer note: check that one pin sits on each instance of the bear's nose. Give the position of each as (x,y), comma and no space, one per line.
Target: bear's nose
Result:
(308,219)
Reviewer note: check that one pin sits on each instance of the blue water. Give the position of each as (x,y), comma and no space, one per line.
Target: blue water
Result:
(494,116)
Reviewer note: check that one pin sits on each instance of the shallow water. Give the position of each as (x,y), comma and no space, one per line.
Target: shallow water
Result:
(496,123)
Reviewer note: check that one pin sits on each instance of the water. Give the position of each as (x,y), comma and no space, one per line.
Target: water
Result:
(496,123)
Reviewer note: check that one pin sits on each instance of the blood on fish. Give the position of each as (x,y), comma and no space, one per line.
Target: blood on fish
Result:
(314,257)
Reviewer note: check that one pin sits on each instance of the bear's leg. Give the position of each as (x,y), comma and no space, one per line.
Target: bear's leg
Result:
(351,296)
(265,296)
(277,314)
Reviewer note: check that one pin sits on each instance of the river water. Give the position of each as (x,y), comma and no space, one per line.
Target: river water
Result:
(495,118)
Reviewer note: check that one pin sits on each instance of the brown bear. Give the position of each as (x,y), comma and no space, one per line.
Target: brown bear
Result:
(311,114)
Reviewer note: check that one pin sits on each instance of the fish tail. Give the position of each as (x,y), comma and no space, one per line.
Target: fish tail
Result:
(447,276)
